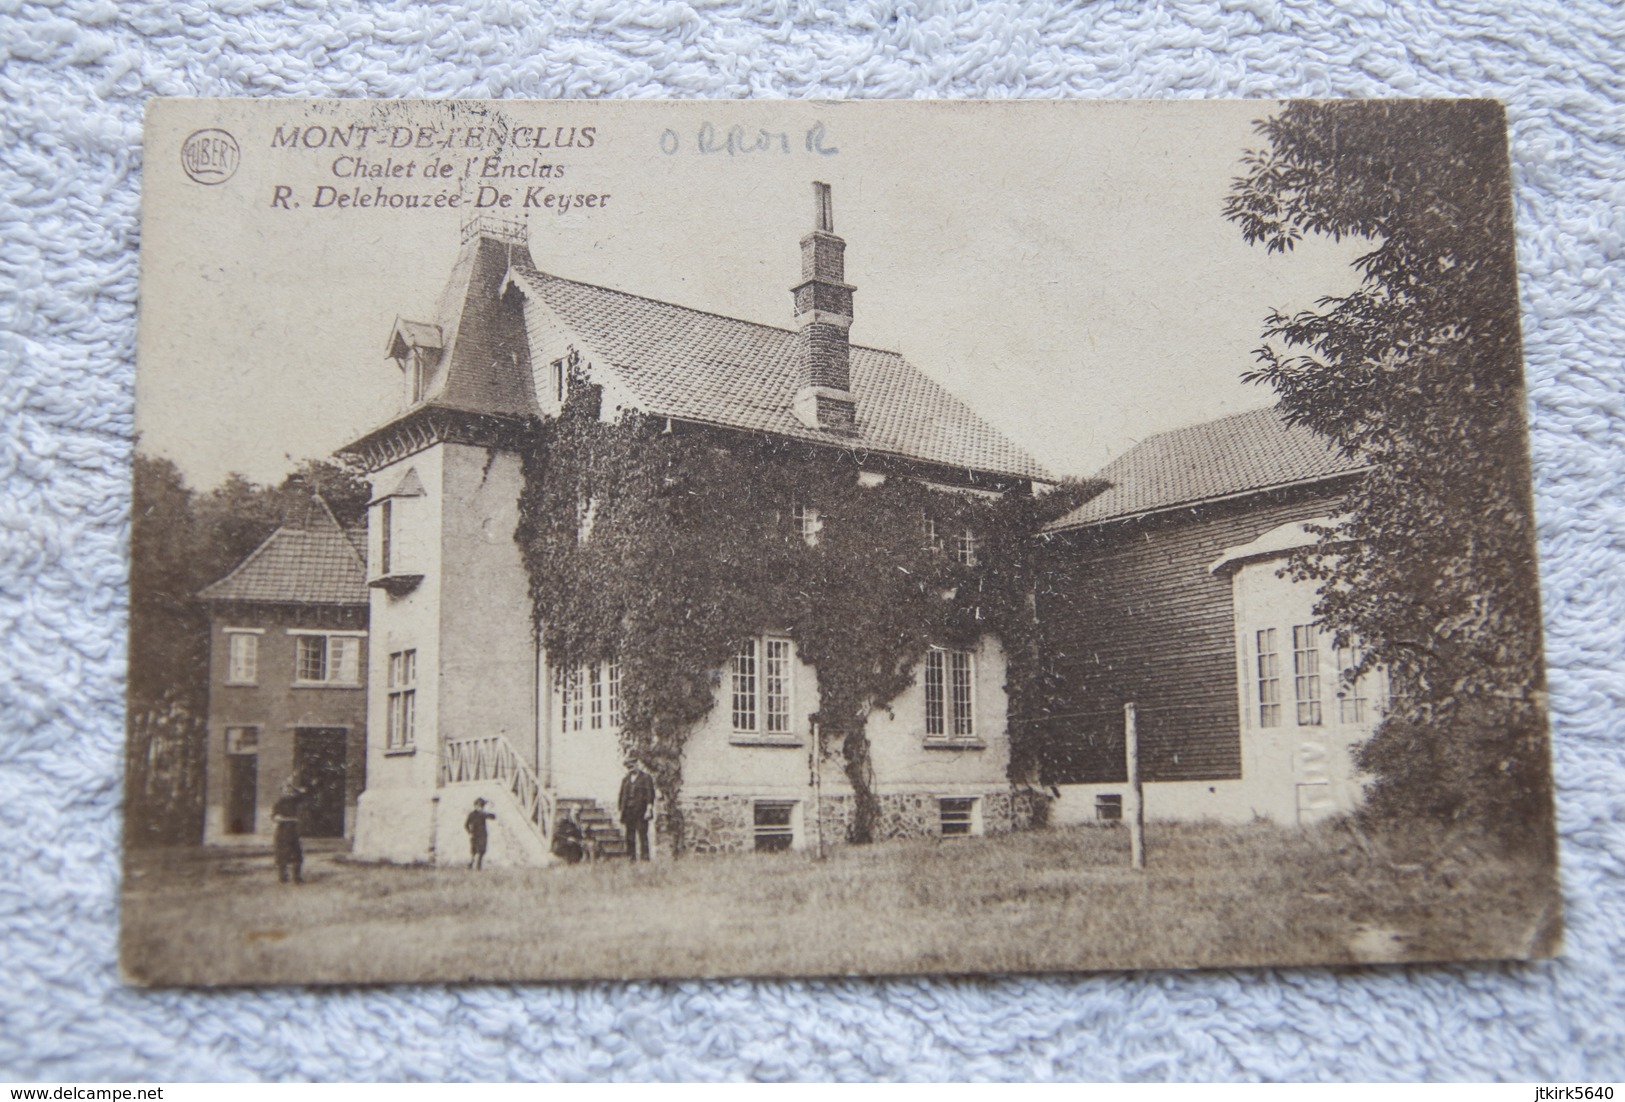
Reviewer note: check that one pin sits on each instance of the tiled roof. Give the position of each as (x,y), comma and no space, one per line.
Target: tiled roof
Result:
(485,368)
(692,365)
(314,564)
(1242,453)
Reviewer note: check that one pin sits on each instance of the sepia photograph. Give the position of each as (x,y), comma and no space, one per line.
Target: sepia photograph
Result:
(612,540)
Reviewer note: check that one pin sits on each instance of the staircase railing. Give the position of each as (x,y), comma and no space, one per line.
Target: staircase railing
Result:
(493,758)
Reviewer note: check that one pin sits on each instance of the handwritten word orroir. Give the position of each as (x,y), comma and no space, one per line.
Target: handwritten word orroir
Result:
(742,141)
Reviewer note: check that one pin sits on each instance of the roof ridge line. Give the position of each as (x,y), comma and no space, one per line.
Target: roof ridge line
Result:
(697,310)
(1186,503)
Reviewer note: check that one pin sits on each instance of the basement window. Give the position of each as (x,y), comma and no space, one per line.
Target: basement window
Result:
(1109,807)
(774,828)
(958,816)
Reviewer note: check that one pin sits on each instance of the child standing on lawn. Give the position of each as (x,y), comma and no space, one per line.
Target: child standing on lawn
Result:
(475,825)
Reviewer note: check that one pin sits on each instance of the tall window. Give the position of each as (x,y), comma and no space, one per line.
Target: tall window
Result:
(760,677)
(1306,673)
(586,515)
(556,380)
(420,376)
(967,548)
(386,540)
(565,373)
(928,530)
(949,704)
(403,699)
(243,657)
(808,521)
(1353,705)
(589,697)
(327,659)
(572,698)
(1269,679)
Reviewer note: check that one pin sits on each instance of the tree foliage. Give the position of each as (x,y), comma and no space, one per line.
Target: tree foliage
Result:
(1418,372)
(693,546)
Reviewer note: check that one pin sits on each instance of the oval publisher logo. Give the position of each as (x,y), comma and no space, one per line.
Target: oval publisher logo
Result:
(210,156)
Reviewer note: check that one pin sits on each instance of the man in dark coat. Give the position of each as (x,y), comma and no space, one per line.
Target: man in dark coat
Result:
(290,855)
(475,825)
(637,805)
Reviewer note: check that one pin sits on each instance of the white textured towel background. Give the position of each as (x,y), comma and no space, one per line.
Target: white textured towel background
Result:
(74,77)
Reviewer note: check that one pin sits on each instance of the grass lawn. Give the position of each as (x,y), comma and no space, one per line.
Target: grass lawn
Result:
(1053,900)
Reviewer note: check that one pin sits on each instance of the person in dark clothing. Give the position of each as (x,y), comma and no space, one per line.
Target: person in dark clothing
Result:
(475,825)
(637,806)
(290,855)
(568,841)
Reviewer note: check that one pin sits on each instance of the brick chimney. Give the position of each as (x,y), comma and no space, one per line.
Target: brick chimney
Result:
(823,315)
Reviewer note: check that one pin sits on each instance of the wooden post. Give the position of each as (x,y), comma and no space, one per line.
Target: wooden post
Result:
(818,790)
(1136,795)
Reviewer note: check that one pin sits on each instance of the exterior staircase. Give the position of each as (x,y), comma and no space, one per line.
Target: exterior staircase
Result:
(604,836)
(490,766)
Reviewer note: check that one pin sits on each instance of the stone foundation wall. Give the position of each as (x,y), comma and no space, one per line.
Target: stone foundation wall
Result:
(718,824)
(726,824)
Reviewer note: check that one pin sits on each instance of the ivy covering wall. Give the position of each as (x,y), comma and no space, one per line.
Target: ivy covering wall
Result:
(664,549)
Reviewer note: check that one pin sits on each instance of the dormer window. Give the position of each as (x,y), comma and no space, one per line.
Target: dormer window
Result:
(415,346)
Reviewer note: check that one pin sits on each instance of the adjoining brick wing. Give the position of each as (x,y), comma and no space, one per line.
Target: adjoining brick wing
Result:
(1133,610)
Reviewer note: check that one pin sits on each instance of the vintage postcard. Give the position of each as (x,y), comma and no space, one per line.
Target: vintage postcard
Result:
(628,539)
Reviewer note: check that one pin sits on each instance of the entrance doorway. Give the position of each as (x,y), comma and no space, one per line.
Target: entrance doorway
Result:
(319,765)
(242,778)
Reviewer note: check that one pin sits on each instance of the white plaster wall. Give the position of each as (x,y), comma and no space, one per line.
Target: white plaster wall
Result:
(395,814)
(717,761)
(904,762)
(487,659)
(511,841)
(580,764)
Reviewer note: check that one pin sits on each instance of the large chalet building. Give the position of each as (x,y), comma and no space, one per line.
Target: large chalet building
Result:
(1166,591)
(464,703)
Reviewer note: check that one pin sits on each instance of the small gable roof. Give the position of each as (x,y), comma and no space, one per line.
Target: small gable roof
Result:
(697,366)
(1240,454)
(408,335)
(310,562)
